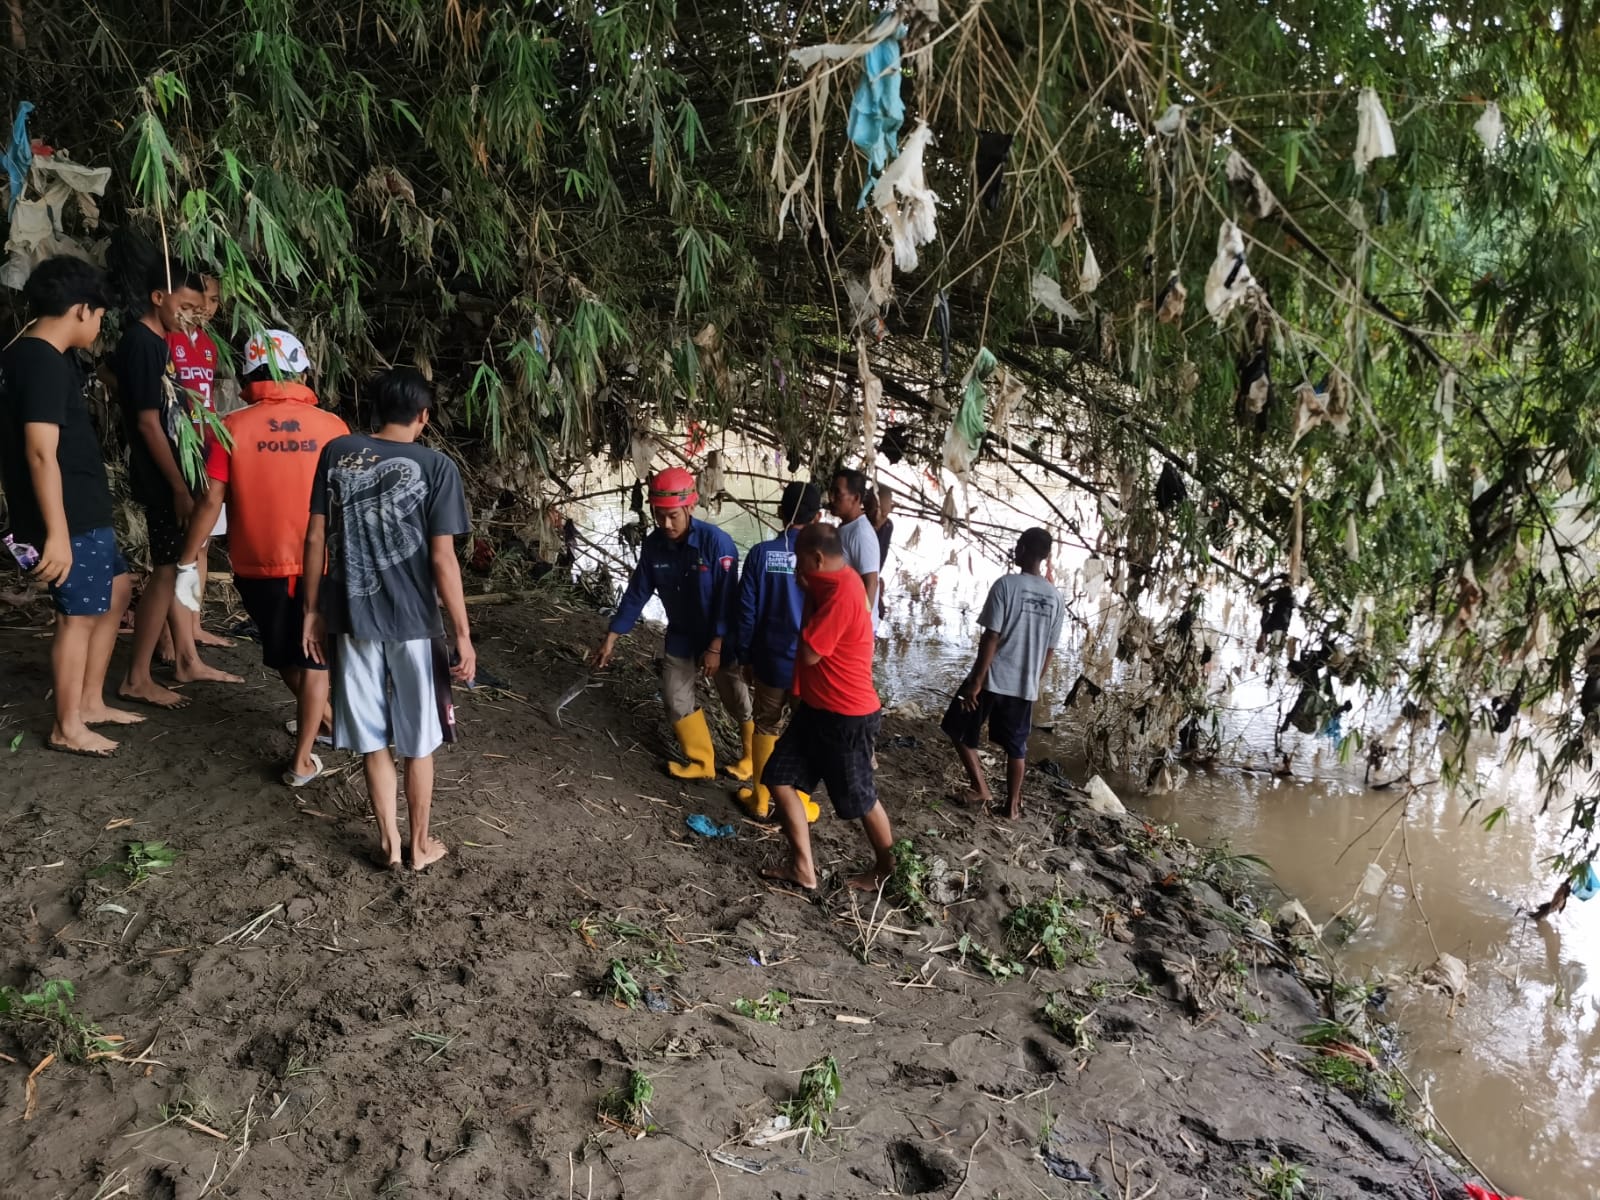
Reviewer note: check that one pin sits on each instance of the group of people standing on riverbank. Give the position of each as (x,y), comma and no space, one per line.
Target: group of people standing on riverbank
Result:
(342,547)
(342,544)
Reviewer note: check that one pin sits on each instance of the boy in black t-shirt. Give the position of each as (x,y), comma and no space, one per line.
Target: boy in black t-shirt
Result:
(151,411)
(56,492)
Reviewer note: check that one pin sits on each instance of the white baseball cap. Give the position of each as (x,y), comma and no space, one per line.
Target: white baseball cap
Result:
(279,347)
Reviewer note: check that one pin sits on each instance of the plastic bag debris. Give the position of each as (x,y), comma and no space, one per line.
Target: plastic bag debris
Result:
(993,147)
(1170,301)
(1489,126)
(1229,282)
(964,440)
(1089,274)
(810,56)
(1247,185)
(1171,121)
(903,197)
(1066,1168)
(876,109)
(1372,883)
(1374,138)
(1449,975)
(18,153)
(1476,1192)
(1375,492)
(1589,886)
(1102,799)
(1047,292)
(1293,919)
(1352,538)
(706,827)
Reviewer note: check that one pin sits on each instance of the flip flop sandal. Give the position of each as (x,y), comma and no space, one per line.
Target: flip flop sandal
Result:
(63,748)
(299,781)
(292,726)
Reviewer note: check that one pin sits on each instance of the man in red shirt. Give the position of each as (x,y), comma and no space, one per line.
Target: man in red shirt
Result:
(835,724)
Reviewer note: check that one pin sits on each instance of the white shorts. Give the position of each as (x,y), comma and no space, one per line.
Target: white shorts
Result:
(392,693)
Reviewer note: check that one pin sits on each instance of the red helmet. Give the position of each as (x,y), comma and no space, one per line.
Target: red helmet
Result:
(673,488)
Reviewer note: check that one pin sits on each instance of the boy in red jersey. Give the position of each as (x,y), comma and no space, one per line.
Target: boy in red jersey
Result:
(835,723)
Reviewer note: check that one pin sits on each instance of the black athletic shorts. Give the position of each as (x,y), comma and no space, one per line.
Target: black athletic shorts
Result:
(280,621)
(828,747)
(1010,720)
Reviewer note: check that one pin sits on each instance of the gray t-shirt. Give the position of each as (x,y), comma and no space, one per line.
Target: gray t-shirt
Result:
(384,502)
(1026,611)
(860,541)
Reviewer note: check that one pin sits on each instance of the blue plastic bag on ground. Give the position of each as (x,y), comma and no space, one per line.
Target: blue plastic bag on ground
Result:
(706,827)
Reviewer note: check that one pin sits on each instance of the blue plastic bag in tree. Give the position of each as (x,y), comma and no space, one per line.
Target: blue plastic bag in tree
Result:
(1588,885)
(876,110)
(18,155)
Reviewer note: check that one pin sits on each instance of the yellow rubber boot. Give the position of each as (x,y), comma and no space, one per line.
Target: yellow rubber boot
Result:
(812,811)
(694,735)
(742,769)
(755,799)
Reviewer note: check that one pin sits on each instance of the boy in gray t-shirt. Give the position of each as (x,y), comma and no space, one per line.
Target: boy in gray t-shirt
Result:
(1021,622)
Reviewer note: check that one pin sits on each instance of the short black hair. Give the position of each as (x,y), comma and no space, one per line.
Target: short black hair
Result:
(173,275)
(821,538)
(800,504)
(854,480)
(60,284)
(400,395)
(1035,543)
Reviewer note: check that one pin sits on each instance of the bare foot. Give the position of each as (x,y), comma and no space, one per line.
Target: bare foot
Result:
(106,715)
(152,694)
(86,743)
(204,637)
(1006,811)
(971,798)
(199,672)
(431,853)
(789,873)
(868,881)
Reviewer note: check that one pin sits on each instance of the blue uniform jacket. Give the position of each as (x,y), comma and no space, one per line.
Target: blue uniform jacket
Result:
(697,580)
(770,604)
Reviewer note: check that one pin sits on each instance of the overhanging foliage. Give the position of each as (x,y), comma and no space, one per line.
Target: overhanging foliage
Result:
(571,214)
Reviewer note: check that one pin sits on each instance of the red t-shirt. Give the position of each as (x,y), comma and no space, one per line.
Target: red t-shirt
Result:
(194,358)
(837,626)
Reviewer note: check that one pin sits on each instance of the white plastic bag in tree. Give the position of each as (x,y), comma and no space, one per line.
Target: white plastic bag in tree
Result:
(871,396)
(1441,469)
(1251,190)
(1374,138)
(1375,492)
(949,519)
(1102,799)
(1352,538)
(1047,292)
(1089,275)
(1094,579)
(810,56)
(1489,126)
(1229,281)
(1171,121)
(902,195)
(711,480)
(1444,396)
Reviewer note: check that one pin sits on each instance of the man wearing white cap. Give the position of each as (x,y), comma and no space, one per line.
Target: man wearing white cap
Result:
(265,480)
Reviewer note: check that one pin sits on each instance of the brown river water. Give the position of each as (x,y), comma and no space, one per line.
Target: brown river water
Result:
(1512,1068)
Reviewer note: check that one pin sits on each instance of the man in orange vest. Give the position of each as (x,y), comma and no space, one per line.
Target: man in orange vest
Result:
(265,479)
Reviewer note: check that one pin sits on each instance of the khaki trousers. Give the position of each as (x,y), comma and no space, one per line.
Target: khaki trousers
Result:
(678,676)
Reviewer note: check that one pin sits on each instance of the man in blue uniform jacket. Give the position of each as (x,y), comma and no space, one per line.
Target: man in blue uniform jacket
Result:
(693,566)
(770,607)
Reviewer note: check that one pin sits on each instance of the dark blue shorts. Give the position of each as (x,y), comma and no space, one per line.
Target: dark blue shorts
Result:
(831,749)
(1010,721)
(96,563)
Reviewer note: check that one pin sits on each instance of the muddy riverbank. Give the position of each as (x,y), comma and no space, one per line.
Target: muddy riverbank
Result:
(298,1024)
